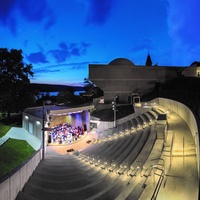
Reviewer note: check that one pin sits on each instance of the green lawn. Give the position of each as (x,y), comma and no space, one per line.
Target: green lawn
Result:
(12,154)
(4,129)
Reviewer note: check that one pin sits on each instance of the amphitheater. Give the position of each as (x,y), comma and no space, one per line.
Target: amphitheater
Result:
(143,158)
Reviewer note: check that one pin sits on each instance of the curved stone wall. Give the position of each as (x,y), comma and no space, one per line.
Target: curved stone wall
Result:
(187,115)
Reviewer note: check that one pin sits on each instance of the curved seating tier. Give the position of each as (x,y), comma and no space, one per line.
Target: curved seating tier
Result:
(118,166)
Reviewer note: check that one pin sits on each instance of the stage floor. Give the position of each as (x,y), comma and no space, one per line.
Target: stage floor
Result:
(82,143)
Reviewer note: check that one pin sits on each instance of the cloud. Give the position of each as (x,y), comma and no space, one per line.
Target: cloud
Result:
(30,10)
(60,67)
(45,70)
(71,66)
(6,9)
(36,11)
(59,55)
(98,11)
(66,51)
(183,20)
(37,57)
(78,66)
(183,23)
(25,43)
(51,21)
(6,18)
(143,44)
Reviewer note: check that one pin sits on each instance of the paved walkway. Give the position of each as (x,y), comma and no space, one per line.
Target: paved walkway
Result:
(23,134)
(181,176)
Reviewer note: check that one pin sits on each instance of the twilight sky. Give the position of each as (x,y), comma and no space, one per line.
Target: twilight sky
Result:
(61,37)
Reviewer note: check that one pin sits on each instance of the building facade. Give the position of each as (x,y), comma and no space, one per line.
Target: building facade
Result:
(124,79)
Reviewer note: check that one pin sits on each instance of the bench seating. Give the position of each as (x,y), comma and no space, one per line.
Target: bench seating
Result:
(100,171)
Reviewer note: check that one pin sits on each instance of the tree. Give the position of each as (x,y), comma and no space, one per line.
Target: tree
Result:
(65,97)
(195,63)
(14,79)
(92,89)
(70,90)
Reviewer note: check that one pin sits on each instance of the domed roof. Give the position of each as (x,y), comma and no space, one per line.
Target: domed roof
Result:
(121,61)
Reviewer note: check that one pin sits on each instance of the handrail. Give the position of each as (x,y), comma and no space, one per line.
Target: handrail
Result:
(159,183)
(171,148)
(159,159)
(157,189)
(183,148)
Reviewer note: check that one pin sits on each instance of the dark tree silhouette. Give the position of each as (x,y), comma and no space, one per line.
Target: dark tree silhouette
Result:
(14,80)
(195,63)
(92,89)
(65,97)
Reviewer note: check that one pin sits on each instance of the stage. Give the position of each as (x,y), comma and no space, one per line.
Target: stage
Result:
(83,143)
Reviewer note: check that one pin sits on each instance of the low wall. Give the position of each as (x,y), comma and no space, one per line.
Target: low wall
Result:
(187,115)
(103,125)
(11,186)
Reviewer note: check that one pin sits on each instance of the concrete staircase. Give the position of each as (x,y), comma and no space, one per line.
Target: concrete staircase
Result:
(70,177)
(63,177)
(135,159)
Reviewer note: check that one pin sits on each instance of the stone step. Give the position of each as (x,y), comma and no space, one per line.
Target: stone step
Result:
(68,176)
(66,183)
(139,148)
(24,196)
(76,193)
(61,160)
(59,185)
(136,192)
(60,176)
(63,169)
(114,190)
(80,165)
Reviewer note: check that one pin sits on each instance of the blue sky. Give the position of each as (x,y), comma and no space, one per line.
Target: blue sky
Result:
(60,38)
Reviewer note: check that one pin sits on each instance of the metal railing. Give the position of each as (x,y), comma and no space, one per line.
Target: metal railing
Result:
(160,167)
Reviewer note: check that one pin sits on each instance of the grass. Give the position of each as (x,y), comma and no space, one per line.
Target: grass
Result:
(12,154)
(4,129)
